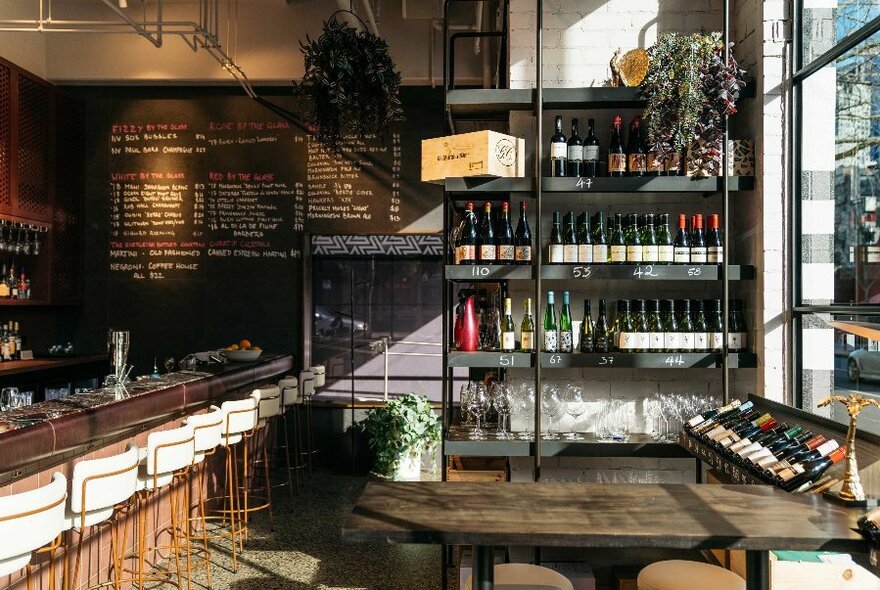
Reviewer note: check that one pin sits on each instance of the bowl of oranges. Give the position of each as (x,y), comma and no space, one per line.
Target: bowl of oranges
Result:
(242,352)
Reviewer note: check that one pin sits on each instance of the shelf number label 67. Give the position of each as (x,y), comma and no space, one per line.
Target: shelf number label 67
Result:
(555,359)
(674,360)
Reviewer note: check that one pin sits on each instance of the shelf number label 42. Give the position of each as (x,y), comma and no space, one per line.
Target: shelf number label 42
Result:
(646,270)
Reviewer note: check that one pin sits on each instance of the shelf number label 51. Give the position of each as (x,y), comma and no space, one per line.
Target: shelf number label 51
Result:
(506,360)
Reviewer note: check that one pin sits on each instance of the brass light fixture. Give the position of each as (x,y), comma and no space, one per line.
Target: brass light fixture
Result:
(851,493)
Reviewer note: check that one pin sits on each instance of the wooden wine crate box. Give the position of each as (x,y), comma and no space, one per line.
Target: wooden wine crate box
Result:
(476,469)
(480,153)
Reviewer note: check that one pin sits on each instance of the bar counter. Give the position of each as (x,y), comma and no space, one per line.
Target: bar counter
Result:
(46,434)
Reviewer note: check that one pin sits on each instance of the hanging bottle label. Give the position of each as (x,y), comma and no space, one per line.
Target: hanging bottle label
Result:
(701,341)
(716,340)
(682,255)
(575,153)
(600,253)
(626,341)
(527,343)
(637,163)
(633,253)
(465,253)
(508,340)
(487,253)
(551,342)
(505,253)
(523,253)
(650,254)
(655,341)
(665,254)
(671,341)
(558,150)
(566,341)
(570,253)
(873,254)
(643,341)
(591,153)
(585,253)
(616,162)
(736,340)
(556,254)
(698,255)
(618,253)
(686,340)
(715,255)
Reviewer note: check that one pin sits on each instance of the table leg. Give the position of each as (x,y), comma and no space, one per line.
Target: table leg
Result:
(757,570)
(484,567)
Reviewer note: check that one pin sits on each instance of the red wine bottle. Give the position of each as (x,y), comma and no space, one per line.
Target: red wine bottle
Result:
(637,158)
(466,246)
(797,475)
(715,253)
(558,150)
(591,152)
(616,153)
(699,250)
(505,252)
(487,246)
(575,152)
(523,238)
(682,245)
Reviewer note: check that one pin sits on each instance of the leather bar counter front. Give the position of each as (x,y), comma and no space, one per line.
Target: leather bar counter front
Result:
(42,435)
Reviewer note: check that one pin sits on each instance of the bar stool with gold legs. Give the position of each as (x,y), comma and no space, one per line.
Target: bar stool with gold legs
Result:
(30,521)
(167,462)
(307,390)
(100,489)
(679,574)
(207,432)
(268,401)
(290,403)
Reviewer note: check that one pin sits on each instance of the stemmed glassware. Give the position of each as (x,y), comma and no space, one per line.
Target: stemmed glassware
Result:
(169,364)
(576,406)
(478,403)
(551,406)
(502,394)
(525,403)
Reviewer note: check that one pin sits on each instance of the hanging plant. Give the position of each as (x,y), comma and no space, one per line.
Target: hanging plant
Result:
(350,86)
(688,89)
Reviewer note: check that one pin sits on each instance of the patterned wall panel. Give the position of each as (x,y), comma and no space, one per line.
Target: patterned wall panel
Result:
(67,216)
(378,245)
(33,149)
(5,136)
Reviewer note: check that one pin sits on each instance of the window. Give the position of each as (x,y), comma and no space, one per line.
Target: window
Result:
(837,183)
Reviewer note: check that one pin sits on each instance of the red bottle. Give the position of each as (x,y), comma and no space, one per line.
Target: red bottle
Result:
(469,335)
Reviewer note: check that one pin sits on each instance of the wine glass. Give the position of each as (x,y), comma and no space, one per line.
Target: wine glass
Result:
(501,400)
(551,406)
(576,406)
(478,402)
(169,364)
(464,402)
(526,405)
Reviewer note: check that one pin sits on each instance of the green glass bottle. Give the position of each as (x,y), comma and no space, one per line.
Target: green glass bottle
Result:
(555,253)
(640,325)
(655,326)
(633,240)
(624,327)
(600,240)
(618,241)
(584,239)
(603,340)
(566,337)
(508,328)
(527,328)
(665,249)
(569,240)
(685,325)
(586,344)
(551,337)
(701,329)
(671,341)
(650,248)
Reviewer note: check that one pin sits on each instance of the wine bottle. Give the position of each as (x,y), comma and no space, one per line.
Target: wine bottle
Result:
(640,325)
(701,331)
(685,325)
(671,337)
(737,338)
(712,413)
(522,240)
(508,328)
(487,249)
(527,328)
(633,240)
(637,159)
(626,337)
(566,336)
(591,152)
(556,254)
(618,241)
(584,239)
(682,247)
(600,241)
(799,455)
(656,166)
(558,150)
(739,423)
(715,254)
(665,249)
(796,476)
(699,250)
(650,248)
(586,344)
(655,326)
(505,251)
(616,153)
(602,340)
(466,246)
(569,240)
(551,336)
(673,164)
(714,325)
(575,152)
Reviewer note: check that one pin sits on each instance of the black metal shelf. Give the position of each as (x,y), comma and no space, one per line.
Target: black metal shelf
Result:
(473,273)
(643,184)
(508,360)
(610,360)
(644,272)
(487,103)
(638,445)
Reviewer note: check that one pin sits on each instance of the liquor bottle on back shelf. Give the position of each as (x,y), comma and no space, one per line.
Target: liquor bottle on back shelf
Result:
(4,286)
(569,240)
(715,254)
(558,150)
(508,328)
(616,152)
(504,253)
(551,336)
(682,247)
(600,240)
(586,344)
(665,249)
(650,247)
(584,239)
(527,328)
(618,241)
(633,240)
(12,281)
(591,152)
(575,152)
(466,247)
(635,152)
(556,249)
(487,248)
(523,238)
(699,250)
(602,332)
(566,336)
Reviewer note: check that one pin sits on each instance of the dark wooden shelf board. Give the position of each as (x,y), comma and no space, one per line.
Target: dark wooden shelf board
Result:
(47,364)
(644,360)
(507,360)
(483,185)
(644,272)
(472,273)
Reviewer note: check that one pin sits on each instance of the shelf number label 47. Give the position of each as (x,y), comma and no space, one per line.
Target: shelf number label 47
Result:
(584,183)
(581,272)
(674,360)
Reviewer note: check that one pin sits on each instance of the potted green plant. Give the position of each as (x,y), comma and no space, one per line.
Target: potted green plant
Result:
(399,433)
(350,85)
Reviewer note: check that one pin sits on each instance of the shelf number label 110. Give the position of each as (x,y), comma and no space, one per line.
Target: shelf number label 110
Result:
(480,271)
(674,360)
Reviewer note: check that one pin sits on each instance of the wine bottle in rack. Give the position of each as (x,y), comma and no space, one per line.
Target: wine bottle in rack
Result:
(527,328)
(466,246)
(655,162)
(556,251)
(671,339)
(640,325)
(522,239)
(673,164)
(715,252)
(626,337)
(711,414)
(600,240)
(575,152)
(618,241)
(685,325)
(699,249)
(591,151)
(637,159)
(650,246)
(551,335)
(558,150)
(569,240)
(737,338)
(701,331)
(633,240)
(586,343)
(714,325)
(566,336)
(487,247)
(616,151)
(682,246)
(809,471)
(665,249)
(654,325)
(584,239)
(505,251)
(508,328)
(602,332)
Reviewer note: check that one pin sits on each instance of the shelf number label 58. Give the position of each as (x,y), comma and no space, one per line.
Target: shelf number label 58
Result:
(695,271)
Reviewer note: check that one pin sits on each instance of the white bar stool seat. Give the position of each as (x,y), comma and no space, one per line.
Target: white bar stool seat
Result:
(320,373)
(289,387)
(167,452)
(207,432)
(268,404)
(525,576)
(240,416)
(99,485)
(29,521)
(678,574)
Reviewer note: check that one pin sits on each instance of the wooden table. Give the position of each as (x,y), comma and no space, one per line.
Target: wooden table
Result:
(681,516)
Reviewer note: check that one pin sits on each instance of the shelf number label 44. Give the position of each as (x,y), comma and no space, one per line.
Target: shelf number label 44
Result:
(674,360)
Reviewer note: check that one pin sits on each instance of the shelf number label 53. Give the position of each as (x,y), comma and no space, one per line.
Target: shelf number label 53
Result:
(581,272)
